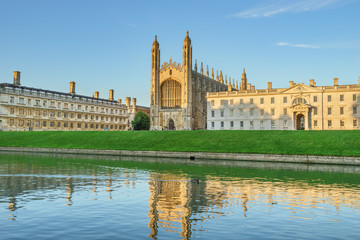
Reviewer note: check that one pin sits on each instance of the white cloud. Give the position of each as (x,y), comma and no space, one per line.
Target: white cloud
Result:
(281,6)
(352,44)
(296,45)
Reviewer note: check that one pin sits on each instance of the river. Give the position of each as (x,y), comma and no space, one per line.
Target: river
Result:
(88,197)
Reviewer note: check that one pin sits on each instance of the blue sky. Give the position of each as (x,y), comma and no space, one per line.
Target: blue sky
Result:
(104,45)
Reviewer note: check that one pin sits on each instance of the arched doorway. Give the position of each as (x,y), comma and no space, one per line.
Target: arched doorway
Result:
(171,125)
(300,122)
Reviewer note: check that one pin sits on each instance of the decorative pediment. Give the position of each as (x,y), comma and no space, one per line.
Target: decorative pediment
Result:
(300,107)
(300,88)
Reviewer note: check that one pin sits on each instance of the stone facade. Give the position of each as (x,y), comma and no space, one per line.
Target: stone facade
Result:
(299,106)
(178,92)
(24,108)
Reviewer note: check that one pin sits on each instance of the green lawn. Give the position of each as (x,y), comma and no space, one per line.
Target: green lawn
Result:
(337,143)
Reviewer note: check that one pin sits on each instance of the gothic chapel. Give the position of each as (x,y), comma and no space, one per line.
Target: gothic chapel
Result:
(178,92)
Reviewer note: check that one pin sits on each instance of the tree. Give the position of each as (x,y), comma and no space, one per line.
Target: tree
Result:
(141,121)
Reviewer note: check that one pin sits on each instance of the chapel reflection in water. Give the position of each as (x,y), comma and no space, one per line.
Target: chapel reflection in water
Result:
(178,205)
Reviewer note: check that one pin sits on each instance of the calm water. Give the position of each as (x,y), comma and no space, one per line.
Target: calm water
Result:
(44,197)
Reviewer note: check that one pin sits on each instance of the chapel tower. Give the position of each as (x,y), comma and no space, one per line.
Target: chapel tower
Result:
(187,86)
(155,84)
(178,92)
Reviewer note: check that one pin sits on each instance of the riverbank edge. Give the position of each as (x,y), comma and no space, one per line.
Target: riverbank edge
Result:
(306,159)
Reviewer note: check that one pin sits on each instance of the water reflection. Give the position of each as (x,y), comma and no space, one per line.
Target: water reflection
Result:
(177,206)
(69,190)
(188,203)
(170,203)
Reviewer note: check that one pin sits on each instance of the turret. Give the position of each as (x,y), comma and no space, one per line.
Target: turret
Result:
(201,70)
(155,85)
(155,72)
(195,68)
(187,52)
(187,95)
(207,71)
(212,73)
(243,83)
(229,87)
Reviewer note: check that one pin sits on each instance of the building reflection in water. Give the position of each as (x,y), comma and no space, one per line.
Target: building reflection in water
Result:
(12,207)
(69,191)
(94,184)
(169,203)
(177,205)
(109,185)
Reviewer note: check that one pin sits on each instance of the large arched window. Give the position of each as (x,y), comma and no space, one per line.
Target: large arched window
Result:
(299,100)
(171,95)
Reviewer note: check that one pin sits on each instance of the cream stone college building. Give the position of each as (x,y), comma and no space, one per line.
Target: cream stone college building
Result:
(25,108)
(183,98)
(299,106)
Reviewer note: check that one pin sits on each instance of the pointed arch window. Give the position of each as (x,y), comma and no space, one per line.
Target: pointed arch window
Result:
(171,95)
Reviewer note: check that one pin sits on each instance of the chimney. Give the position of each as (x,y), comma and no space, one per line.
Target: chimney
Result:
(17,78)
(134,103)
(128,99)
(111,94)
(312,83)
(291,83)
(269,85)
(72,88)
(119,101)
(252,88)
(96,94)
(336,81)
(248,86)
(359,80)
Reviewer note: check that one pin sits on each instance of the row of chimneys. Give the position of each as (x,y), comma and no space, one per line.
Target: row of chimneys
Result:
(72,91)
(312,83)
(111,95)
(128,99)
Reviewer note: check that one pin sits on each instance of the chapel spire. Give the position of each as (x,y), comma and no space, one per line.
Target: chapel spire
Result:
(155,43)
(187,52)
(187,40)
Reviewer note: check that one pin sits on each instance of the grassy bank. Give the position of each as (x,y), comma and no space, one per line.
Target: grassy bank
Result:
(337,143)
